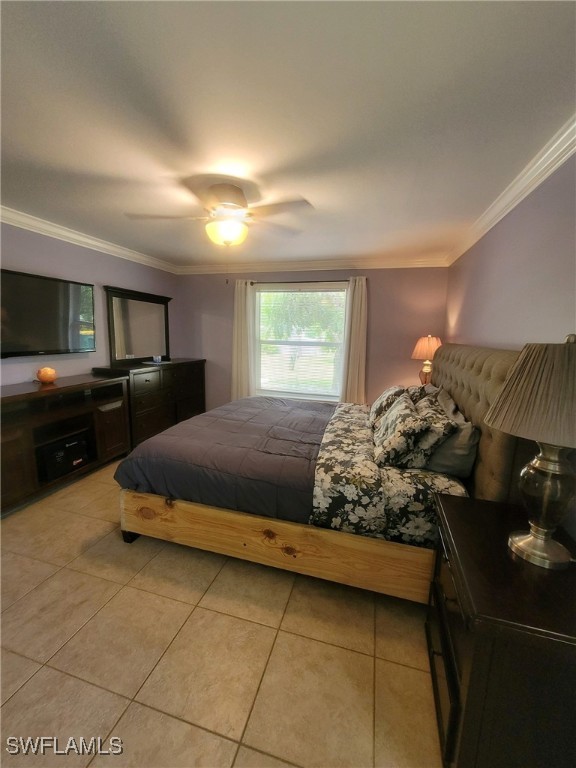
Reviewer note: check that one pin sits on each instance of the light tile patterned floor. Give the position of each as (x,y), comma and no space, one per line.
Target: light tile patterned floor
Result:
(194,659)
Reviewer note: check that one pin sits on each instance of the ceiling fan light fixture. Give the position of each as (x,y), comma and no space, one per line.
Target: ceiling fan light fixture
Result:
(227,231)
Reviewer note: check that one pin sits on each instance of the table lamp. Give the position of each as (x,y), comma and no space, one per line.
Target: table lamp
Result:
(538,402)
(424,350)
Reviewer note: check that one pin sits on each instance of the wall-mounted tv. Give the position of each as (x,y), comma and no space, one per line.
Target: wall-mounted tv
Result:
(45,315)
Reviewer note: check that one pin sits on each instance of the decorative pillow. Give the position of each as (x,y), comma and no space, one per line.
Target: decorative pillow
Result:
(440,428)
(383,402)
(397,432)
(456,455)
(418,393)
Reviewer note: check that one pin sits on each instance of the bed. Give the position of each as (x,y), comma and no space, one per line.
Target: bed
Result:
(274,493)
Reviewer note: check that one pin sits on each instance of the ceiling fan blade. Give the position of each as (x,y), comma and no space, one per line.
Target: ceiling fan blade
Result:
(152,216)
(226,195)
(212,189)
(280,228)
(284,206)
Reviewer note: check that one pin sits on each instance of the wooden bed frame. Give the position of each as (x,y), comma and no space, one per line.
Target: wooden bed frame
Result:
(473,376)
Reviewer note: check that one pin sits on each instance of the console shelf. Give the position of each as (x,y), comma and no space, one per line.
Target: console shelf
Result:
(51,431)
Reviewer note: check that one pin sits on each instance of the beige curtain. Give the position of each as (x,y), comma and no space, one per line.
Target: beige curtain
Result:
(354,374)
(242,385)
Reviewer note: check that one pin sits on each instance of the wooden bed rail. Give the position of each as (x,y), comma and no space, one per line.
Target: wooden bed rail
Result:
(359,561)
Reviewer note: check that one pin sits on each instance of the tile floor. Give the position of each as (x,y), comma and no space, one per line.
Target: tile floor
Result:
(194,659)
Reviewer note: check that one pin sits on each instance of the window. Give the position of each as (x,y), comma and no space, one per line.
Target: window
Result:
(299,337)
(300,340)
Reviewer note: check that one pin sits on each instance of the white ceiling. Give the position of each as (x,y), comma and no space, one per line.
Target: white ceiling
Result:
(401,122)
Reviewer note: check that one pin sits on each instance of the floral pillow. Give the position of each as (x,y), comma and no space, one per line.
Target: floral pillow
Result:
(441,427)
(397,431)
(417,393)
(383,403)
(390,395)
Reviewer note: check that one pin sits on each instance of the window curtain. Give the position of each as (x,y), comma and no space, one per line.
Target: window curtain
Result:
(242,385)
(354,376)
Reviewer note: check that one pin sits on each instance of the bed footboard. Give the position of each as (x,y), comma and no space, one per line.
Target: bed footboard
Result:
(359,561)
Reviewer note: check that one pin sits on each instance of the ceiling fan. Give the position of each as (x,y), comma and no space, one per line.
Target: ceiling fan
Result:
(228,212)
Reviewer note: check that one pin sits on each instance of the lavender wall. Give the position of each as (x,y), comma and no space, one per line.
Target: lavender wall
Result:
(518,283)
(31,252)
(403,304)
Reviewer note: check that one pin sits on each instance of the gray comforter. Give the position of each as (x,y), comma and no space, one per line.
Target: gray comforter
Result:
(253,455)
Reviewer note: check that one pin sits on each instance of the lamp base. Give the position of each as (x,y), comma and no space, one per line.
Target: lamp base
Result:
(547,488)
(426,372)
(540,550)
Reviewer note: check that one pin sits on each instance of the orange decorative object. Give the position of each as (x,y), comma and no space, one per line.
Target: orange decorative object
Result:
(46,375)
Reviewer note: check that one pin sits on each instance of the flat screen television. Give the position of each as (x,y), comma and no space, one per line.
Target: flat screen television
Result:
(45,315)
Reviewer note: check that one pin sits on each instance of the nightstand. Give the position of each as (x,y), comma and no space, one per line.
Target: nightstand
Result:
(502,641)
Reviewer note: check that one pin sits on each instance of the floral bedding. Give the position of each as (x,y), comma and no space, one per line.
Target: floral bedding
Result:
(352,493)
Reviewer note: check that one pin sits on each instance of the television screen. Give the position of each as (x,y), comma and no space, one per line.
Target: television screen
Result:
(45,315)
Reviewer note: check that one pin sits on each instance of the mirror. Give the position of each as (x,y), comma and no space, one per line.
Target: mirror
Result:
(137,325)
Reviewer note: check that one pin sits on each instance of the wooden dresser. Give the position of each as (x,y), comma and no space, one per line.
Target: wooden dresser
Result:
(502,641)
(52,432)
(161,395)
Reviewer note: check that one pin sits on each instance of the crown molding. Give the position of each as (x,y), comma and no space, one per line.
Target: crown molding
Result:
(43,227)
(550,158)
(390,261)
(386,261)
(560,147)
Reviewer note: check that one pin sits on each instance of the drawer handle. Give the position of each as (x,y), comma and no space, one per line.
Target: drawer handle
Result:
(110,406)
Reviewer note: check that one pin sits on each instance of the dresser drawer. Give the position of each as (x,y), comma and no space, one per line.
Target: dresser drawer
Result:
(167,377)
(188,407)
(147,402)
(146,382)
(149,423)
(451,614)
(189,380)
(444,678)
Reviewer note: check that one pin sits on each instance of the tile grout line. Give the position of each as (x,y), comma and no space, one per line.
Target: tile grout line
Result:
(166,714)
(192,609)
(58,569)
(278,628)
(133,699)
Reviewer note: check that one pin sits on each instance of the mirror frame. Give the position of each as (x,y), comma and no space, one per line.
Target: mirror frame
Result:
(151,298)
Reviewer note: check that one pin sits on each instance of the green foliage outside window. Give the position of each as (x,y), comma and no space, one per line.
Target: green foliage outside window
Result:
(315,315)
(301,337)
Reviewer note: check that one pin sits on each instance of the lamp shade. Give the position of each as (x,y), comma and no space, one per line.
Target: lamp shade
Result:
(538,399)
(227,231)
(425,347)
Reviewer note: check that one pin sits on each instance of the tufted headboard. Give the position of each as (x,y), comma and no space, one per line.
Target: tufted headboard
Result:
(473,376)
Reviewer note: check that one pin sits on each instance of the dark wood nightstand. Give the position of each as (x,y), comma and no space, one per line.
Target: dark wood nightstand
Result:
(502,641)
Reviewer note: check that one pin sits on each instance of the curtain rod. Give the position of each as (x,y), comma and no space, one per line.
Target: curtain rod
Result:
(294,282)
